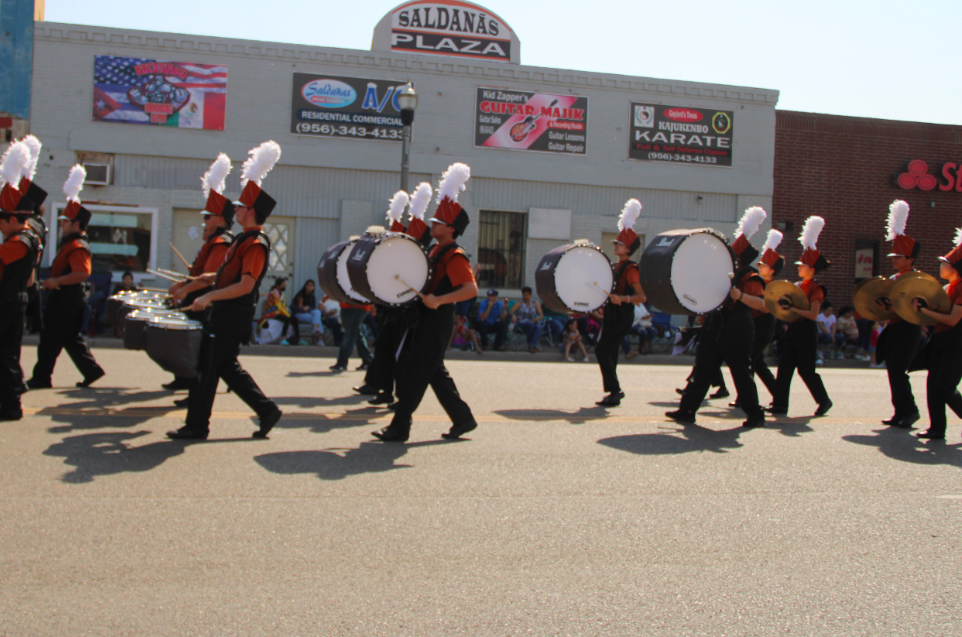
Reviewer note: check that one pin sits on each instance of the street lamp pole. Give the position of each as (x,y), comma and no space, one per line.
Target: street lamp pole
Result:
(408,102)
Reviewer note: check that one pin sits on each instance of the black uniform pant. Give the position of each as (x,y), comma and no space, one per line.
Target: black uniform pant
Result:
(945,372)
(614,328)
(764,330)
(900,343)
(218,360)
(798,350)
(731,343)
(422,365)
(61,331)
(392,323)
(11,338)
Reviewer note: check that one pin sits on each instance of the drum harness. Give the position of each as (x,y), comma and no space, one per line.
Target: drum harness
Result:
(414,316)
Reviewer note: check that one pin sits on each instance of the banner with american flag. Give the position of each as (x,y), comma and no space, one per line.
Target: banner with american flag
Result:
(178,94)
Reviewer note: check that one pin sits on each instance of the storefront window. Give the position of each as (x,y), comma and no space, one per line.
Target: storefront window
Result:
(501,241)
(121,238)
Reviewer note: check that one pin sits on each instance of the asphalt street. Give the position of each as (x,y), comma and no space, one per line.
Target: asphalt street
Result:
(554,517)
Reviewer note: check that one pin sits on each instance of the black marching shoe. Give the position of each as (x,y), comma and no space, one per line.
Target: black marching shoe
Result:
(733,403)
(390,434)
(34,383)
(459,430)
(680,392)
(90,380)
(382,398)
(11,416)
(906,422)
(930,435)
(177,384)
(182,402)
(777,411)
(611,400)
(823,408)
(721,393)
(755,420)
(365,389)
(893,421)
(681,416)
(187,433)
(267,423)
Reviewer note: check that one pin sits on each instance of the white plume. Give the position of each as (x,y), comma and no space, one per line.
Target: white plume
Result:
(810,231)
(260,162)
(629,214)
(772,240)
(34,145)
(751,221)
(898,216)
(216,176)
(453,181)
(420,200)
(12,165)
(958,236)
(398,203)
(74,183)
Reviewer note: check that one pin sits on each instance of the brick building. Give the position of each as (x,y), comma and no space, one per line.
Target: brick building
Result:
(847,170)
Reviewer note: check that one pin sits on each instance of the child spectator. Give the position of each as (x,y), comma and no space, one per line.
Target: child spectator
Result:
(572,338)
(845,328)
(463,336)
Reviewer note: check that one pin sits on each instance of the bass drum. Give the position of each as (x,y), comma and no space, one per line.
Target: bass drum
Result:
(383,266)
(332,274)
(574,278)
(687,271)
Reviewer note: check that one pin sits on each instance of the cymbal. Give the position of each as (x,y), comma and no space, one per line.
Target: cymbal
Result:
(868,292)
(778,290)
(917,273)
(907,289)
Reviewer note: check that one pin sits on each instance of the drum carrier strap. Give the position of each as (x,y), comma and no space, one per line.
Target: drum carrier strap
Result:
(441,259)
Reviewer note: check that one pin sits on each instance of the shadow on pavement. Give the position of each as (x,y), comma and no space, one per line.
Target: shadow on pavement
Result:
(322,423)
(319,374)
(686,439)
(899,444)
(99,402)
(337,464)
(308,402)
(583,415)
(106,454)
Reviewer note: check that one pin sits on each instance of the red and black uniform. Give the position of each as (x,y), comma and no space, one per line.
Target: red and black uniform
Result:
(728,337)
(38,230)
(228,326)
(897,346)
(764,323)
(798,350)
(17,256)
(209,259)
(616,324)
(942,356)
(64,316)
(422,360)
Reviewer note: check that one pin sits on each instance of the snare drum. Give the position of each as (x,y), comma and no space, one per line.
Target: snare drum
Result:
(574,278)
(332,274)
(687,271)
(380,262)
(135,324)
(174,344)
(114,303)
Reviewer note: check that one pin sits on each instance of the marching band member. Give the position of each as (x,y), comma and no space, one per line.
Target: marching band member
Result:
(899,341)
(942,355)
(36,227)
(17,258)
(728,334)
(619,308)
(422,361)
(801,340)
(71,267)
(218,219)
(769,266)
(232,303)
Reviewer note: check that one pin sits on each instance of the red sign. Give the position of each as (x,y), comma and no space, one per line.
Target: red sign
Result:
(918,177)
(683,115)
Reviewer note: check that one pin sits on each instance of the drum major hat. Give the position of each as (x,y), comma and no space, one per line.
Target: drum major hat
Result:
(809,240)
(902,244)
(419,203)
(12,201)
(260,162)
(28,189)
(395,211)
(749,224)
(72,187)
(954,257)
(213,183)
(626,226)
(769,256)
(449,211)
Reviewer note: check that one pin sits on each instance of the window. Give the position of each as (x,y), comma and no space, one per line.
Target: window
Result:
(121,238)
(501,242)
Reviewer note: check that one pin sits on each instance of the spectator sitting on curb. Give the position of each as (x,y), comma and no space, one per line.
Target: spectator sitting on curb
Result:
(572,338)
(305,308)
(527,312)
(330,318)
(491,317)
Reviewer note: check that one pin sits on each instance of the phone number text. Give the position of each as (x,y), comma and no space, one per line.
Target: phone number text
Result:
(307,128)
(694,159)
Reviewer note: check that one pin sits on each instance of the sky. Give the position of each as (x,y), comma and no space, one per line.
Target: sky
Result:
(881,59)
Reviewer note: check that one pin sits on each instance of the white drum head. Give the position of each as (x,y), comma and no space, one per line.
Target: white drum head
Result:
(396,256)
(174,323)
(576,274)
(342,277)
(700,272)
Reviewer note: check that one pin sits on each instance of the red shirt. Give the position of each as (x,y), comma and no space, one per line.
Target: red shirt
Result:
(458,270)
(211,255)
(10,251)
(246,257)
(628,280)
(813,290)
(954,290)
(71,257)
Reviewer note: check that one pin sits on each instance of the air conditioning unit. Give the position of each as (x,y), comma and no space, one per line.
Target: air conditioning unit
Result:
(97,174)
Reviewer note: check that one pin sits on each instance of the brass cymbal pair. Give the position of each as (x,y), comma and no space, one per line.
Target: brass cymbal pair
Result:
(881,298)
(782,298)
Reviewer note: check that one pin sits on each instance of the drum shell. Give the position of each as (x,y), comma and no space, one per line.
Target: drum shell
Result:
(656,269)
(174,350)
(547,285)
(357,268)
(134,332)
(327,273)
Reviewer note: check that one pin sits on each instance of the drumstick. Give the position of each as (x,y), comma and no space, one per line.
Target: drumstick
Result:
(407,285)
(175,273)
(179,255)
(166,276)
(608,294)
